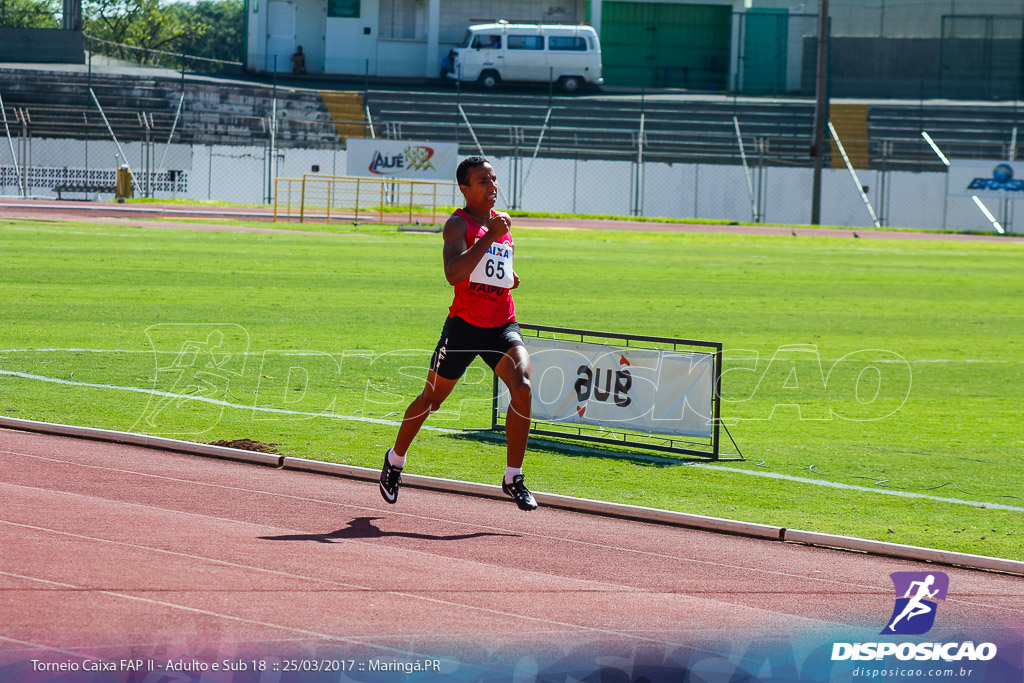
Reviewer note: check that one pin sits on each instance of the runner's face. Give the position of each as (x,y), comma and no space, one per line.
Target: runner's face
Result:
(481,188)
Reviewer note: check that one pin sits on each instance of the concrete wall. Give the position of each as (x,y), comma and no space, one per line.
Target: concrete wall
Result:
(892,18)
(352,42)
(709,191)
(919,68)
(311,18)
(42,45)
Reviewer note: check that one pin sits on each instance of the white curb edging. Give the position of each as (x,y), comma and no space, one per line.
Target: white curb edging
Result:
(585,505)
(142,440)
(597,507)
(911,552)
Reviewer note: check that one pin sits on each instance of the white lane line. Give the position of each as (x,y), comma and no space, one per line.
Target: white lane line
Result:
(565,626)
(443,430)
(40,646)
(600,546)
(600,586)
(217,402)
(132,646)
(471,525)
(704,466)
(228,617)
(598,583)
(856,487)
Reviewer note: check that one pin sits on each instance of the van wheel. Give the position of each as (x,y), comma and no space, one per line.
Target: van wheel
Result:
(489,79)
(571,84)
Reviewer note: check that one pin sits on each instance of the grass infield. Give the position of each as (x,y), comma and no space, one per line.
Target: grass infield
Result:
(329,336)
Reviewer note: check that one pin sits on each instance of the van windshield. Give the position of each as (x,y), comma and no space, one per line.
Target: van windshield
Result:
(467,40)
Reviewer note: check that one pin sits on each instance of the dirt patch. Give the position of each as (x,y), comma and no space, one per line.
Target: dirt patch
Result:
(248,445)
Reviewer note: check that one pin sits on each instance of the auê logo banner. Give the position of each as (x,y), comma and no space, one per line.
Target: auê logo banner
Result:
(648,390)
(1002,179)
(412,158)
(401,159)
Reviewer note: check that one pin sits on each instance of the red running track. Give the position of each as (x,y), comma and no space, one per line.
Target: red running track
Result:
(112,551)
(142,215)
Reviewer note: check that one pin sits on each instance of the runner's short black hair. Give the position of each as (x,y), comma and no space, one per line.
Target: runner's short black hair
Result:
(463,170)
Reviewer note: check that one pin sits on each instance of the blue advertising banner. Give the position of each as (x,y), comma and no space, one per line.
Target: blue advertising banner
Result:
(997,179)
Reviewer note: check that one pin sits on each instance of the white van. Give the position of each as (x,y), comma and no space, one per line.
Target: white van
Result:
(570,55)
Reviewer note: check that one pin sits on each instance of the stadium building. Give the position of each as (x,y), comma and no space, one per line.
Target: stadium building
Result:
(923,48)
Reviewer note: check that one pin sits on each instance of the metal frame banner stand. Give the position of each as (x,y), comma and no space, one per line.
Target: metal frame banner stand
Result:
(853,174)
(746,171)
(14,157)
(651,393)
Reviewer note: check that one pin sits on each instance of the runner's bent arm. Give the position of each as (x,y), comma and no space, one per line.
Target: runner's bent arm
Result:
(459,262)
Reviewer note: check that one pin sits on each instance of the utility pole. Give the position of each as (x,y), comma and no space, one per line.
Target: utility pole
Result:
(820,110)
(72,17)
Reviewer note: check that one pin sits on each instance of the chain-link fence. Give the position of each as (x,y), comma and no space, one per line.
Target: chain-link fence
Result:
(727,160)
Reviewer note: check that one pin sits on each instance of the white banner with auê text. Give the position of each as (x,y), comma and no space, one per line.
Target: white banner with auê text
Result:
(404,159)
(653,391)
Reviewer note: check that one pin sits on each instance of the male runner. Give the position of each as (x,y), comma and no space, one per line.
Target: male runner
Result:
(477,257)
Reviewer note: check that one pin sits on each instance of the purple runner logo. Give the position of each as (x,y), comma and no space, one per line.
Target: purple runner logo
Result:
(916,595)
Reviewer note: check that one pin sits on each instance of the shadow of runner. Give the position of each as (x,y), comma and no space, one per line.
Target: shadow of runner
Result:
(362,527)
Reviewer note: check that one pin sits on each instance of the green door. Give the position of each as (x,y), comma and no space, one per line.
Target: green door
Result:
(662,45)
(765,41)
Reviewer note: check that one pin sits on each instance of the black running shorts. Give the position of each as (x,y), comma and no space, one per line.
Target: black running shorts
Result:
(461,342)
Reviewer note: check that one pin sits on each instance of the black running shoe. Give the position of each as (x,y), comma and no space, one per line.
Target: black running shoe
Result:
(390,480)
(520,494)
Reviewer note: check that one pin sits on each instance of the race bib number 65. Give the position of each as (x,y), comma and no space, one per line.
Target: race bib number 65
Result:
(495,268)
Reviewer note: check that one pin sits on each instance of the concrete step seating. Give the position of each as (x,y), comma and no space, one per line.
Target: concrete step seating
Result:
(851,125)
(982,131)
(347,111)
(58,104)
(702,131)
(676,129)
(600,127)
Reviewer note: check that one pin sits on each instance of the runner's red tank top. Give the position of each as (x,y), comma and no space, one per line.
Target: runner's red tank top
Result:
(482,305)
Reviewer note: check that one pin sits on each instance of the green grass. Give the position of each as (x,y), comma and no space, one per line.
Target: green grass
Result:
(367,303)
(716,221)
(444,210)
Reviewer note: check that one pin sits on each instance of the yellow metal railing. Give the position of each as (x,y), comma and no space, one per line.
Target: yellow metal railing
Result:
(323,198)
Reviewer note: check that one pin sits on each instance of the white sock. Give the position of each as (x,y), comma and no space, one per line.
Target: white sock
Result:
(395,459)
(511,472)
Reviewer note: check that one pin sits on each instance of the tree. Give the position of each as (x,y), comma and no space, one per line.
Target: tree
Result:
(140,24)
(214,29)
(29,13)
(224,34)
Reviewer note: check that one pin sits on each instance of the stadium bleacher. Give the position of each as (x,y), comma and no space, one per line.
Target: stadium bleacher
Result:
(678,127)
(690,130)
(58,104)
